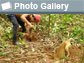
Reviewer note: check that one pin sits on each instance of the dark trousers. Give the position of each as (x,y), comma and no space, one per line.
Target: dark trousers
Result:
(16,22)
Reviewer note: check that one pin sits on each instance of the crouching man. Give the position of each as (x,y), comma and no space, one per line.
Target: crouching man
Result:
(21,19)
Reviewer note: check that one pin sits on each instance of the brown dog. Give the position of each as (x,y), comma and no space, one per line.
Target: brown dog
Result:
(63,49)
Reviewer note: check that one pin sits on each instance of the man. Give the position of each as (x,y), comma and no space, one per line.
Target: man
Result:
(20,19)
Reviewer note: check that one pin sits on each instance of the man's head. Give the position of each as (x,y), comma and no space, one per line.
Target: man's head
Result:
(34,18)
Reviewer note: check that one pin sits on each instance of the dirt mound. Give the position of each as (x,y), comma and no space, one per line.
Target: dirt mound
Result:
(76,54)
(30,37)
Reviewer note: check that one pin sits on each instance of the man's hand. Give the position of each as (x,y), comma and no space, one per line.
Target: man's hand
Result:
(32,26)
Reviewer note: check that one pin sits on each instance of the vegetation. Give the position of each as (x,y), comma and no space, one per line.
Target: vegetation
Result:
(63,26)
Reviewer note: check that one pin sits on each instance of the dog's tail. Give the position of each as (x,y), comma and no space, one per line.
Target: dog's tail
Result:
(71,39)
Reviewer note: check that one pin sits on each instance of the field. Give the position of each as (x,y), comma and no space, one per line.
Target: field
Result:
(52,30)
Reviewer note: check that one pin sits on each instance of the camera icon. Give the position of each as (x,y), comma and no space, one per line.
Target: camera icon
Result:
(6,6)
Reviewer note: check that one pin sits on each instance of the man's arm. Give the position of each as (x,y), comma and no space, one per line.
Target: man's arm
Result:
(23,18)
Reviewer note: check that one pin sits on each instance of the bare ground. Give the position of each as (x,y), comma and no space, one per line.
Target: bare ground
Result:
(39,52)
